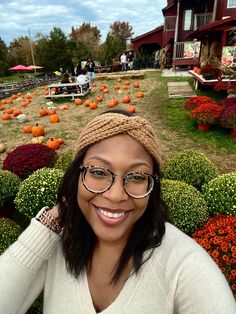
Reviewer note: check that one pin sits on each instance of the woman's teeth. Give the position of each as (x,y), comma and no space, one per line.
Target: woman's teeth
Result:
(111,215)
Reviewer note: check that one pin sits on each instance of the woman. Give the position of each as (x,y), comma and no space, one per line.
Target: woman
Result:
(105,247)
(89,66)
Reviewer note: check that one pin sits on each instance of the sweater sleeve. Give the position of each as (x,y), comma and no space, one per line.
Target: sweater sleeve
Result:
(23,267)
(202,288)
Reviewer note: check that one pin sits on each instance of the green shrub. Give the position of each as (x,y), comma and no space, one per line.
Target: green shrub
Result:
(220,194)
(9,232)
(9,186)
(64,161)
(187,207)
(191,167)
(38,190)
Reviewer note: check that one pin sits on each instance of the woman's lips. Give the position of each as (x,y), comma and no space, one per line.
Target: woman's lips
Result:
(112,218)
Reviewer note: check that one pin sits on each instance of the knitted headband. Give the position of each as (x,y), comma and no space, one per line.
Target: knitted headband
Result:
(111,124)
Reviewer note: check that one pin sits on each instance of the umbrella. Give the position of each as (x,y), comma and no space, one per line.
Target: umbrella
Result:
(34,67)
(58,73)
(20,67)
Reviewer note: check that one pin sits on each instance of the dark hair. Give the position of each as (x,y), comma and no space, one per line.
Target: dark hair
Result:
(78,238)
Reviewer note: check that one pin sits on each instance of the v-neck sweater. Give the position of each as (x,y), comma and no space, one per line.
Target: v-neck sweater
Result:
(179,278)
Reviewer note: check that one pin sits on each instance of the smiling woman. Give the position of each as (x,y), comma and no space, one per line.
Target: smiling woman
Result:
(106,247)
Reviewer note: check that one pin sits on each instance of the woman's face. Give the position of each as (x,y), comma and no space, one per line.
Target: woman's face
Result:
(113,213)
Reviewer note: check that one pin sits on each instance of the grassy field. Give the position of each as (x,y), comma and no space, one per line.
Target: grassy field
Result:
(174,129)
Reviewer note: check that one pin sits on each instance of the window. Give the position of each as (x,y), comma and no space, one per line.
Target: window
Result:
(231,4)
(188,14)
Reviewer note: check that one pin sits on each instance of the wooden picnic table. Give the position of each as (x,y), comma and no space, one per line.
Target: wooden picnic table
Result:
(7,89)
(224,82)
(82,90)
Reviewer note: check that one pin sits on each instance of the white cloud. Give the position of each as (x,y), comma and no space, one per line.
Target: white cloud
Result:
(41,16)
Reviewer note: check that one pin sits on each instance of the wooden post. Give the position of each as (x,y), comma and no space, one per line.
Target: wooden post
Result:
(176,32)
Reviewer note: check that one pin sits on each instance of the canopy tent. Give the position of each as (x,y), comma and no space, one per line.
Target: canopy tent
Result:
(20,67)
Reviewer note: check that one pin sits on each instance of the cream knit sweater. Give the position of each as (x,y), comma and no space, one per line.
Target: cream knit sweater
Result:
(179,278)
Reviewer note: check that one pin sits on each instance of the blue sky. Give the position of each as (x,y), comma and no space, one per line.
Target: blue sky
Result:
(40,16)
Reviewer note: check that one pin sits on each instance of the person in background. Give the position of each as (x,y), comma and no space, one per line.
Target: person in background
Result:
(157,59)
(89,66)
(65,80)
(130,60)
(78,68)
(107,246)
(123,62)
(83,80)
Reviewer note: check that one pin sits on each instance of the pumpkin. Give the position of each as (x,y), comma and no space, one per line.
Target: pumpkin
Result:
(22,118)
(105,91)
(38,130)
(9,110)
(16,112)
(99,98)
(2,148)
(136,84)
(63,107)
(4,101)
(49,103)
(54,118)
(2,107)
(51,111)
(140,94)
(27,128)
(9,101)
(124,87)
(43,112)
(28,96)
(119,91)
(195,69)
(127,83)
(60,140)
(119,80)
(199,71)
(116,87)
(37,140)
(23,104)
(93,105)
(126,100)
(19,94)
(111,104)
(53,143)
(78,101)
(87,102)
(115,101)
(6,116)
(131,108)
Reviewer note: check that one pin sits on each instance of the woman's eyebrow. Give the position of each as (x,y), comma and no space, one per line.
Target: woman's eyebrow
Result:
(133,165)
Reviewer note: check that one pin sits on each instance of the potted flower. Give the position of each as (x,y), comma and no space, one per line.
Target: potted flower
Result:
(209,72)
(228,119)
(206,114)
(196,101)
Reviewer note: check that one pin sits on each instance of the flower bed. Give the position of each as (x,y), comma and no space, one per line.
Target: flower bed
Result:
(217,237)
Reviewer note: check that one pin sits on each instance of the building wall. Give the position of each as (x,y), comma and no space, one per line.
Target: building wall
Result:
(223,11)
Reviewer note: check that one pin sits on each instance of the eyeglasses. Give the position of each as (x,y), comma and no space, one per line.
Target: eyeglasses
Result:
(98,180)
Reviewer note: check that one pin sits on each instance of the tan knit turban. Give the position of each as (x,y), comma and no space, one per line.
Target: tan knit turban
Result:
(111,124)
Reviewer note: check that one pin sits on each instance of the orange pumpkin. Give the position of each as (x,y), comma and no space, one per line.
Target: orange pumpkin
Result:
(124,87)
(27,128)
(126,100)
(9,110)
(99,98)
(51,111)
(116,87)
(43,112)
(23,104)
(140,94)
(199,71)
(9,101)
(111,104)
(93,105)
(53,143)
(105,91)
(131,108)
(1,107)
(119,80)
(127,83)
(16,112)
(136,84)
(195,69)
(6,116)
(60,140)
(38,130)
(78,101)
(87,102)
(4,101)
(115,101)
(54,118)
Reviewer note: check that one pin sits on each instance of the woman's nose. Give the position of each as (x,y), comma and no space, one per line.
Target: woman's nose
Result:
(117,191)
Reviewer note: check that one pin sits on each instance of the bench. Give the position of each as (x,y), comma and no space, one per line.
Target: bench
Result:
(83,90)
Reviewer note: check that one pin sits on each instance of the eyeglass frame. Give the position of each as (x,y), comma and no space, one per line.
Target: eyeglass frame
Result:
(84,168)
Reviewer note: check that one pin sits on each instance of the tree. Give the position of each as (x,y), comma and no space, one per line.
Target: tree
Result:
(87,38)
(121,31)
(3,57)
(110,49)
(19,51)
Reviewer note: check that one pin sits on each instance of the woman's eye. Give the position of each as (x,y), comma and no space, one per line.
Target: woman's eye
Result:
(98,172)
(136,177)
